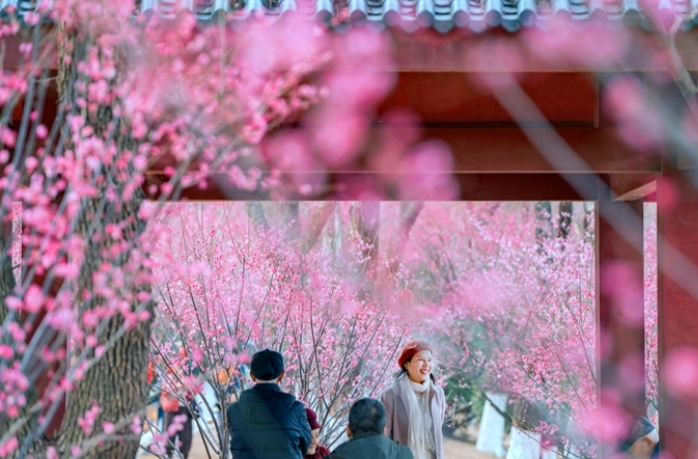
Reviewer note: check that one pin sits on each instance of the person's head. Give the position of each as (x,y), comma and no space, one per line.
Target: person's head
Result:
(366,416)
(315,427)
(416,360)
(641,438)
(267,366)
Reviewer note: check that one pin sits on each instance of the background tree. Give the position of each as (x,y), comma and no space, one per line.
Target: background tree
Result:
(133,94)
(228,288)
(138,95)
(520,310)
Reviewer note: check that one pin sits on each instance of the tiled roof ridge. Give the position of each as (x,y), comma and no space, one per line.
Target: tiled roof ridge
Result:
(442,15)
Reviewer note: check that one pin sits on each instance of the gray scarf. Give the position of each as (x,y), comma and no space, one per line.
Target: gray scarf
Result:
(421,425)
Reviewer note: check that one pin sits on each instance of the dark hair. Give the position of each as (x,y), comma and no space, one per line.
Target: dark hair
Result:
(367,416)
(636,428)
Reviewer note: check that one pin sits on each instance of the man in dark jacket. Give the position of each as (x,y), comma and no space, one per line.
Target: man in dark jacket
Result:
(641,440)
(266,423)
(366,438)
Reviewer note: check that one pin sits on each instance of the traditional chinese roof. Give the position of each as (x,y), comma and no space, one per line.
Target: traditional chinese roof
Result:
(442,15)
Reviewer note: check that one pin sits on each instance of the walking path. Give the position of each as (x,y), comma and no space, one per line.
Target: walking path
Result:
(454,450)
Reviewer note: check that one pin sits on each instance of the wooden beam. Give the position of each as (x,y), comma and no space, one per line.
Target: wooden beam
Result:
(640,193)
(633,187)
(527,187)
(619,283)
(12,57)
(677,311)
(427,51)
(501,152)
(509,150)
(564,99)
(349,186)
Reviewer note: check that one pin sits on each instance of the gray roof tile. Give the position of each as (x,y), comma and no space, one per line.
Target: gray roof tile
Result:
(442,15)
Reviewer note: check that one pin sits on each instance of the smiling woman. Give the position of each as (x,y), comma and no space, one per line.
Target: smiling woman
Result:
(415,404)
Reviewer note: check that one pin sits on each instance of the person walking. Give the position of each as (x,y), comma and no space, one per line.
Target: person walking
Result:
(155,393)
(367,420)
(171,405)
(265,422)
(178,400)
(415,404)
(316,450)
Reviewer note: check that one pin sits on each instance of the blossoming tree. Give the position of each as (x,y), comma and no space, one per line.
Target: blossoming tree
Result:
(229,286)
(147,107)
(521,309)
(134,94)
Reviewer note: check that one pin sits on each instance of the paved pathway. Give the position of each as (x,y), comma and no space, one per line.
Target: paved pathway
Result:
(454,450)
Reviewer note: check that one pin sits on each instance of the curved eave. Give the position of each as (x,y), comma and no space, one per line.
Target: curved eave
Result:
(411,15)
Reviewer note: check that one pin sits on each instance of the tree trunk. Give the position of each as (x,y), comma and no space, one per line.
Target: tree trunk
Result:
(365,220)
(409,211)
(117,381)
(523,445)
(490,436)
(7,284)
(7,280)
(544,226)
(549,453)
(315,225)
(290,220)
(588,222)
(564,221)
(256,214)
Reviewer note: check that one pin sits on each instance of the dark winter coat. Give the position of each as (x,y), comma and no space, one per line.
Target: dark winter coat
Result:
(266,423)
(372,446)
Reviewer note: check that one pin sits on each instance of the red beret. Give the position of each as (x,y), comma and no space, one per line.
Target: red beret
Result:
(411,349)
(312,419)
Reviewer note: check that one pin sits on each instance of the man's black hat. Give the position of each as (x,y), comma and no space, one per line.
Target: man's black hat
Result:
(267,365)
(638,427)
